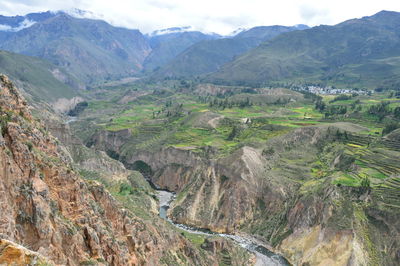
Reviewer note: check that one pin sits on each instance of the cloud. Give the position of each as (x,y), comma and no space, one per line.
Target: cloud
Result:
(221,16)
(23,25)
(313,15)
(5,27)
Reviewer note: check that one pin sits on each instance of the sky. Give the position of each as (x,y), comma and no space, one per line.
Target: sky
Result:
(219,16)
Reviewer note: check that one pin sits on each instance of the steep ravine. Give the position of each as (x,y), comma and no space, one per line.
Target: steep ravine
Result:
(172,169)
(264,256)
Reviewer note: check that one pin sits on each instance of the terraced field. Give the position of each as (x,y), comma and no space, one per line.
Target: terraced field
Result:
(388,192)
(193,121)
(377,160)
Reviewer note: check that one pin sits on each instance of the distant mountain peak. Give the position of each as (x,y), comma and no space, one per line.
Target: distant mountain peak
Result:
(171,30)
(17,23)
(240,31)
(236,32)
(387,12)
(79,13)
(301,26)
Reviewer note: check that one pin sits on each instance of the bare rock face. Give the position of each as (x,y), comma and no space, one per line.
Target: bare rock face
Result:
(14,254)
(45,203)
(86,158)
(217,194)
(111,141)
(63,105)
(47,207)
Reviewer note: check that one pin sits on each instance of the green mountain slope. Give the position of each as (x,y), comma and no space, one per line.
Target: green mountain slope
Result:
(38,78)
(166,46)
(358,52)
(91,50)
(208,56)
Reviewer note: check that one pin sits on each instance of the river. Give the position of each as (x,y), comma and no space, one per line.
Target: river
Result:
(71,119)
(264,256)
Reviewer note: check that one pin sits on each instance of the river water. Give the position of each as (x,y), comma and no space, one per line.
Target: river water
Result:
(264,256)
(71,119)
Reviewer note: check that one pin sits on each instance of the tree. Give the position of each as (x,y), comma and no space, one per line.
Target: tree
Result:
(365,184)
(320,105)
(380,110)
(268,152)
(392,126)
(396,112)
(233,133)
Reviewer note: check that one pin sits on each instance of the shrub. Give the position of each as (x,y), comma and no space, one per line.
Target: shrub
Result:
(268,152)
(125,188)
(342,97)
(392,126)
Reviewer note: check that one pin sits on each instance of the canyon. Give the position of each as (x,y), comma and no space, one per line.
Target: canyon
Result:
(275,146)
(62,219)
(257,194)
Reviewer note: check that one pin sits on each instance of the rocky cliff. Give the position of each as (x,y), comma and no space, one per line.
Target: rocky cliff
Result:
(56,215)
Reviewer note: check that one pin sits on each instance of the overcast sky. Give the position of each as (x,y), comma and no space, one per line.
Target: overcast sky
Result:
(220,16)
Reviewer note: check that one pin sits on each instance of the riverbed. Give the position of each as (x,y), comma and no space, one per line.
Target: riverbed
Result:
(264,256)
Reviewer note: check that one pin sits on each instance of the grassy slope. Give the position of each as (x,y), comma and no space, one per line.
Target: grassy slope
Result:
(35,77)
(166,47)
(360,53)
(91,50)
(208,56)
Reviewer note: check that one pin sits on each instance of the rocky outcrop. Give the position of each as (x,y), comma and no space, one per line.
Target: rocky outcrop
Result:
(83,157)
(14,254)
(317,246)
(63,105)
(166,156)
(49,208)
(206,198)
(110,141)
(225,194)
(394,135)
(45,204)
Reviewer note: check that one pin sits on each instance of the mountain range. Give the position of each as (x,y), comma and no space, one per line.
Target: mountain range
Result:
(91,50)
(168,43)
(209,55)
(359,52)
